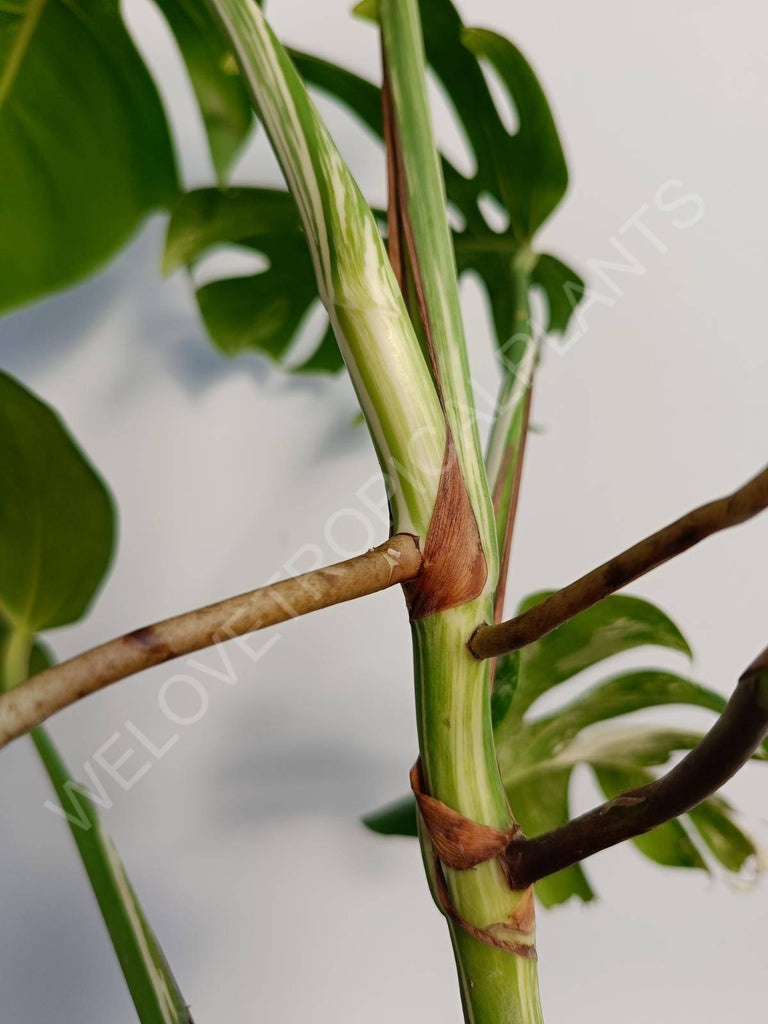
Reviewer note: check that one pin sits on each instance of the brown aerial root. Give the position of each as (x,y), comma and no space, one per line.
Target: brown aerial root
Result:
(396,560)
(490,641)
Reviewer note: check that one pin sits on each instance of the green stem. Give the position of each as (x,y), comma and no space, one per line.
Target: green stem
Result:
(460,768)
(458,756)
(16,653)
(506,444)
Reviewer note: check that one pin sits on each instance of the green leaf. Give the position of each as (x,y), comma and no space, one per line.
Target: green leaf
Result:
(56,526)
(360,96)
(531,171)
(56,517)
(621,695)
(560,284)
(396,819)
(479,247)
(539,803)
(669,844)
(86,153)
(725,840)
(617,624)
(221,95)
(505,680)
(260,312)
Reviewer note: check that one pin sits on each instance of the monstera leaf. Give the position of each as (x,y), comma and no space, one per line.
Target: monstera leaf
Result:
(538,752)
(524,172)
(263,311)
(221,96)
(56,533)
(85,152)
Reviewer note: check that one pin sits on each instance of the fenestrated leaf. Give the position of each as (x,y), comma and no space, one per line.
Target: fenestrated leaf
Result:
(669,844)
(479,247)
(85,152)
(560,285)
(211,217)
(618,623)
(221,96)
(56,516)
(260,312)
(531,171)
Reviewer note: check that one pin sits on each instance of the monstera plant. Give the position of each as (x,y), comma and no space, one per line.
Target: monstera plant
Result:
(86,155)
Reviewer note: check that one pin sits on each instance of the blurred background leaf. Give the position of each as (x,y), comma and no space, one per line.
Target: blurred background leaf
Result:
(86,152)
(522,172)
(56,536)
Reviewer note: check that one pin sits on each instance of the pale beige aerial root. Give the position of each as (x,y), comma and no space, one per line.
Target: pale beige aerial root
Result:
(32,702)
(490,641)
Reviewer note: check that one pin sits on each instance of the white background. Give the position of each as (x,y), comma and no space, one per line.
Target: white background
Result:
(270,899)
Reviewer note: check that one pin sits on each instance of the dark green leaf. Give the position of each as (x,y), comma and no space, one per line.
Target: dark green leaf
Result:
(221,96)
(505,680)
(560,285)
(396,819)
(56,516)
(210,217)
(522,171)
(85,152)
(261,312)
(359,95)
(531,170)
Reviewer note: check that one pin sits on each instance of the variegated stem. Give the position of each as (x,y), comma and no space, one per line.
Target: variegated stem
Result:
(506,444)
(421,194)
(354,277)
(492,927)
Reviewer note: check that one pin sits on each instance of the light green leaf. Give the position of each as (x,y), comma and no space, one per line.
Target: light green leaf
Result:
(56,517)
(221,96)
(85,152)
(725,840)
(618,623)
(621,695)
